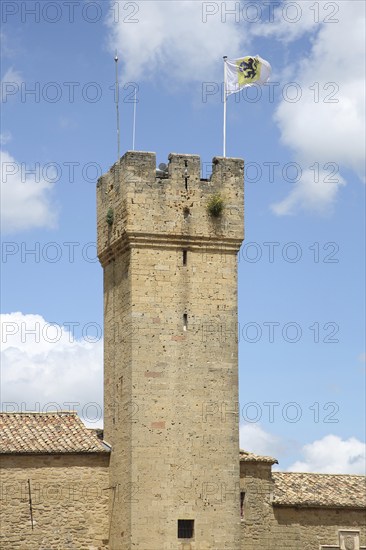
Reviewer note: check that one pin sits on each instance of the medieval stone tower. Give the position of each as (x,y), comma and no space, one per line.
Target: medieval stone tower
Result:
(171,365)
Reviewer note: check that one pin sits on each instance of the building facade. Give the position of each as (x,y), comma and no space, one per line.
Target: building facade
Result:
(166,474)
(299,511)
(55,494)
(54,476)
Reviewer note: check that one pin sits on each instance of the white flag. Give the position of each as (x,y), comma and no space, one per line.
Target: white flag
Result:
(244,72)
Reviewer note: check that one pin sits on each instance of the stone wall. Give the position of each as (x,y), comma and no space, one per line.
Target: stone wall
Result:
(315,527)
(257,513)
(271,527)
(69,501)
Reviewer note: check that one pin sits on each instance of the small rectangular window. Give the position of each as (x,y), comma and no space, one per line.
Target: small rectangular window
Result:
(185,321)
(185,528)
(184,257)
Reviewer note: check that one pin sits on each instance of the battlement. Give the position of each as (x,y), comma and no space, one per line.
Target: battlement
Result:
(142,165)
(137,202)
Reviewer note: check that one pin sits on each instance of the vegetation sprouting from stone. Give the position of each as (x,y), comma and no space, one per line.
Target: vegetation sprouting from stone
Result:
(215,205)
(110,216)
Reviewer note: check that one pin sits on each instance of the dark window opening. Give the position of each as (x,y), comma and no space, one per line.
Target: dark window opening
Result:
(186,213)
(186,176)
(184,257)
(185,528)
(185,321)
(242,497)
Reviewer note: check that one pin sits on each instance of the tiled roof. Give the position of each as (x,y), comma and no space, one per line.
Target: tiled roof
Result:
(313,490)
(44,433)
(245,456)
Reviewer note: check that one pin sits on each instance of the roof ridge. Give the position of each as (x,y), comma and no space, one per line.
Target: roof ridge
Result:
(39,412)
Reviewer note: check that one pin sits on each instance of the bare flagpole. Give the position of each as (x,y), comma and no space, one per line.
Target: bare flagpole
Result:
(134,119)
(117,108)
(225,103)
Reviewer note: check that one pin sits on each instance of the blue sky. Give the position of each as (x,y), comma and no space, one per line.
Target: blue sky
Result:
(302,263)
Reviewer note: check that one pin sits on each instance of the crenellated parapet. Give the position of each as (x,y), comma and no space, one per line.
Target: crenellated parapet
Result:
(138,204)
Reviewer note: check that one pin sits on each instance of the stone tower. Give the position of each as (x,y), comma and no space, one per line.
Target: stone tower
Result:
(171,364)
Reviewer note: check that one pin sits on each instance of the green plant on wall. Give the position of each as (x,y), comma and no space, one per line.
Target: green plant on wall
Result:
(216,205)
(110,217)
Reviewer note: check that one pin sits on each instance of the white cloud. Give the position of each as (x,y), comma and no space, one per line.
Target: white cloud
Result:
(329,455)
(290,20)
(327,123)
(256,440)
(314,192)
(333,455)
(8,47)
(50,368)
(5,137)
(10,84)
(12,75)
(25,197)
(171,42)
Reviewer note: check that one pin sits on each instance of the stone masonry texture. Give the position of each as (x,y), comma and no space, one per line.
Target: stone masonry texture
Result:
(69,501)
(171,366)
(271,527)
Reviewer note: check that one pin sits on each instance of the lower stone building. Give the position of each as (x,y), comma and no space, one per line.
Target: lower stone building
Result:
(299,511)
(55,494)
(53,483)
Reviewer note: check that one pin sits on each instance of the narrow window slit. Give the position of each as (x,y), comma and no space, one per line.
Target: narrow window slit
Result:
(184,257)
(186,176)
(242,497)
(185,321)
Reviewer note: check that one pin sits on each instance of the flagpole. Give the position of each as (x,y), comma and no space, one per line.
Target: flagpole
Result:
(134,120)
(117,108)
(225,103)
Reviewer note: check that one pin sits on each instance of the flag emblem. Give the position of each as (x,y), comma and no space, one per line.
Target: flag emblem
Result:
(249,70)
(246,71)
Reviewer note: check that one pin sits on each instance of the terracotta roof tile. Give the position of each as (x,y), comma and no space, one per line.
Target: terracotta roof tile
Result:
(313,490)
(44,433)
(245,456)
